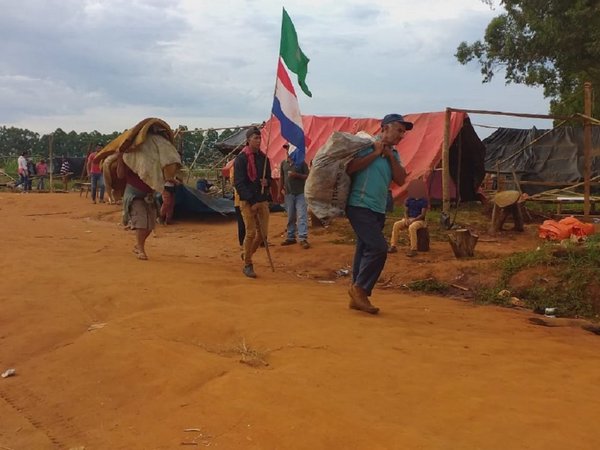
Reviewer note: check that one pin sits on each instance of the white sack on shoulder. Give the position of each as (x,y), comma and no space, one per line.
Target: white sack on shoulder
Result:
(328,185)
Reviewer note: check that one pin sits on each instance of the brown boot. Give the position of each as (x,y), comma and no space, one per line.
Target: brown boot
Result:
(360,301)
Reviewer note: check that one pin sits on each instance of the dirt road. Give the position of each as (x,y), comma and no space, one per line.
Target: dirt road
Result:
(116,353)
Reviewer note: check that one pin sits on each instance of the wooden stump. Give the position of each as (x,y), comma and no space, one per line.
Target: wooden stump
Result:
(462,242)
(499,216)
(423,239)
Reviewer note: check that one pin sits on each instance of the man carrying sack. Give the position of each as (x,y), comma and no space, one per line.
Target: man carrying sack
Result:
(252,175)
(372,171)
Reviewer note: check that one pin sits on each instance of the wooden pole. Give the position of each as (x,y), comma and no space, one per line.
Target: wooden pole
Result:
(51,161)
(446,164)
(587,147)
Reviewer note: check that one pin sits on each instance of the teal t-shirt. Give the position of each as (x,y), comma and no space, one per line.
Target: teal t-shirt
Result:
(370,185)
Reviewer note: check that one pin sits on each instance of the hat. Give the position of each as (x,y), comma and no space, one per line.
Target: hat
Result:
(252,131)
(390,118)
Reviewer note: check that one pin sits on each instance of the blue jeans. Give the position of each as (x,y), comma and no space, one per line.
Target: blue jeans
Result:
(41,181)
(295,205)
(97,181)
(24,180)
(371,246)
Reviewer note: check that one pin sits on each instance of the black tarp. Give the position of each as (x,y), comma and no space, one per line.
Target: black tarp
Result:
(556,157)
(75,163)
(234,142)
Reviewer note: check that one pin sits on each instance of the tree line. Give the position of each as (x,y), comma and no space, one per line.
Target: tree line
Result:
(13,141)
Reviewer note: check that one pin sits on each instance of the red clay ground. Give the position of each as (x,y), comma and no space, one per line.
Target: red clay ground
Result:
(116,353)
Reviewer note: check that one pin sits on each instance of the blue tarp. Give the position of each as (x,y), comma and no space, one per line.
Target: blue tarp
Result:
(190,200)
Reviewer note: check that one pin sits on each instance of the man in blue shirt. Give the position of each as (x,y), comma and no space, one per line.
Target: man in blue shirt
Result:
(415,210)
(372,171)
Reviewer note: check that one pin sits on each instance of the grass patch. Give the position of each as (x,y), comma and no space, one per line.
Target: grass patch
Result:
(429,285)
(576,268)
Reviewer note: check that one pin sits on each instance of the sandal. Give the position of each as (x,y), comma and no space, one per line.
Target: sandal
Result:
(139,253)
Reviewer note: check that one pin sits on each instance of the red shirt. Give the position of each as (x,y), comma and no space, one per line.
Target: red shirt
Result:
(41,169)
(132,178)
(95,167)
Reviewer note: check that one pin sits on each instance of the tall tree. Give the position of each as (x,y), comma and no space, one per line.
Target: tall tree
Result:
(554,44)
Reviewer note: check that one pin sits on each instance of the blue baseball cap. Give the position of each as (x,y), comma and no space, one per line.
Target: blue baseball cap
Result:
(396,118)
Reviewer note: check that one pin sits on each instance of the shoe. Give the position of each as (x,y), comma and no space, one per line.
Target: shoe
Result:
(249,271)
(392,249)
(289,242)
(360,301)
(94,202)
(100,201)
(411,253)
(304,243)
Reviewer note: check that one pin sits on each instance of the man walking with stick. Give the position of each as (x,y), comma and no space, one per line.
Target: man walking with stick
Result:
(252,175)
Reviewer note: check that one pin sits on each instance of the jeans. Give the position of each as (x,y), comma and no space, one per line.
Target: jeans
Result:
(24,180)
(97,181)
(41,181)
(295,205)
(371,246)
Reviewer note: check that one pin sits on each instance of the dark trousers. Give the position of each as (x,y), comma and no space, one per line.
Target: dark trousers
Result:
(371,246)
(241,226)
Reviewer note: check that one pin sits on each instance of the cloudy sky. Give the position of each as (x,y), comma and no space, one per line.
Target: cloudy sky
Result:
(104,65)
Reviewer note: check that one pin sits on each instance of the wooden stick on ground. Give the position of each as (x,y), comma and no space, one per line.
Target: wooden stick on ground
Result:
(264,239)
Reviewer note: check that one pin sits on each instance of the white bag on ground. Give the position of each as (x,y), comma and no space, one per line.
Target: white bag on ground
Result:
(328,185)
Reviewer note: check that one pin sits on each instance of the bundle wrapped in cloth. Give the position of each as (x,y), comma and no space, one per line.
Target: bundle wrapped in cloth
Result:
(148,150)
(328,185)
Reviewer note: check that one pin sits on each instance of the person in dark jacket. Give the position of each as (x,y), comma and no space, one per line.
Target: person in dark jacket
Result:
(252,175)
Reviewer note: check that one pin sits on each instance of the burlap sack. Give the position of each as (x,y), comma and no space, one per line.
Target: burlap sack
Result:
(328,186)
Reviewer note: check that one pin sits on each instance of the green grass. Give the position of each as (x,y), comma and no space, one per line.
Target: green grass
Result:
(429,285)
(575,271)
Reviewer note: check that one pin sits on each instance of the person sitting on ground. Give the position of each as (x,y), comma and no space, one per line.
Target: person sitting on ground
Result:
(252,181)
(292,178)
(139,206)
(41,169)
(415,210)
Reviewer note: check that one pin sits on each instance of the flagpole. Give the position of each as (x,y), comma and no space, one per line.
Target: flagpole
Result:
(271,118)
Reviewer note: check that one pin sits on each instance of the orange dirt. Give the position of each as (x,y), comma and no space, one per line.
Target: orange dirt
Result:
(116,353)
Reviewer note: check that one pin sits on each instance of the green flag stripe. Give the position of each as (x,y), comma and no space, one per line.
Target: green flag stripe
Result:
(290,52)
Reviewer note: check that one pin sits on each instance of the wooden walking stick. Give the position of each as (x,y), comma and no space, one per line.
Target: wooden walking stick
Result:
(264,239)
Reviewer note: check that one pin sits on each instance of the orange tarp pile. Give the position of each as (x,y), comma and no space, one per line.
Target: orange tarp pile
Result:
(564,229)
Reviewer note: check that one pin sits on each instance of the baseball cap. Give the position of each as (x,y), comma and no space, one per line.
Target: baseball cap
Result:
(390,118)
(252,131)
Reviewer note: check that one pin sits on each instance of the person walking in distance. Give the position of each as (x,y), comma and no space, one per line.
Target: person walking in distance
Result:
(253,189)
(372,171)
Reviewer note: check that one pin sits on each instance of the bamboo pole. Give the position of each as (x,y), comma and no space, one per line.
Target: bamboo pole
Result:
(587,147)
(51,161)
(446,163)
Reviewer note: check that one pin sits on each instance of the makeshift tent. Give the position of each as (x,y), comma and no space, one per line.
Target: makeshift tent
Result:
(556,157)
(420,150)
(190,200)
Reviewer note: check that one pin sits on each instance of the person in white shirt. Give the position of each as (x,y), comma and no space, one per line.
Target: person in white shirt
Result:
(23,172)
